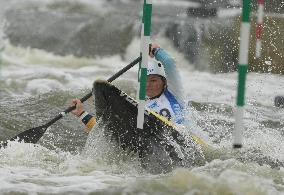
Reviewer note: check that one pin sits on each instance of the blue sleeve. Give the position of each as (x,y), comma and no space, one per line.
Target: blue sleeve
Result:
(172,73)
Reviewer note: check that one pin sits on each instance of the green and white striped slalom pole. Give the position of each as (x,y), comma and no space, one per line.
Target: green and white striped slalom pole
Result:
(145,42)
(243,67)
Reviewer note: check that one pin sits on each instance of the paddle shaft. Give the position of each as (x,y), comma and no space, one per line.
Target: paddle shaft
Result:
(86,97)
(34,134)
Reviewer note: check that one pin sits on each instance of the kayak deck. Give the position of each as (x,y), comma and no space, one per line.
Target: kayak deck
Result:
(159,145)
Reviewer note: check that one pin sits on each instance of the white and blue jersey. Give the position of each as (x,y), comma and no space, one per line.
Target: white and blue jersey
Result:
(170,103)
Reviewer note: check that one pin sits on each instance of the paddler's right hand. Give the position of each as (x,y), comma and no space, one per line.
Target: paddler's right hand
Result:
(79,107)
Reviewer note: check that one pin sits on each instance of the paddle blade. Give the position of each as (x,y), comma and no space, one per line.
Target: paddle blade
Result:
(28,136)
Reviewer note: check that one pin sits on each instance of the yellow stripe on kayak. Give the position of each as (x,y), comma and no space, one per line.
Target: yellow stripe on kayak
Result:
(198,140)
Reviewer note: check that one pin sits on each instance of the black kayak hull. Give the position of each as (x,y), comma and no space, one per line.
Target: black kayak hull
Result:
(159,145)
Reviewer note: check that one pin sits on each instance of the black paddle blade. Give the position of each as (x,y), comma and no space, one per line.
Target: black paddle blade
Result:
(28,136)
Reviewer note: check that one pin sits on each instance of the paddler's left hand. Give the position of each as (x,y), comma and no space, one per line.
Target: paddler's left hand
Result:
(79,107)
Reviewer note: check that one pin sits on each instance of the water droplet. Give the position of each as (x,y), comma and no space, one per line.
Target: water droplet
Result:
(268,62)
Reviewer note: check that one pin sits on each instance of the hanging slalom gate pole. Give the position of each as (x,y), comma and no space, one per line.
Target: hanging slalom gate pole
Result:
(259,28)
(242,69)
(145,42)
(141,49)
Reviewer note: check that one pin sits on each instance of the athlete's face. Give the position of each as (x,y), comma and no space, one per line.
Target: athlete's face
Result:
(155,85)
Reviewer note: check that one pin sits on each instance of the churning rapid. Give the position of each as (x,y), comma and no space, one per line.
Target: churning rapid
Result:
(37,84)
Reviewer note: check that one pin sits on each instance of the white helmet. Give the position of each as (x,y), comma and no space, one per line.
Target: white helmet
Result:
(156,67)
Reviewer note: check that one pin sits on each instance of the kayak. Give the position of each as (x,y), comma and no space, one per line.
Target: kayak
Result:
(160,146)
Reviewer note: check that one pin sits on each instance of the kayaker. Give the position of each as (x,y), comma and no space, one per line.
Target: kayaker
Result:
(164,90)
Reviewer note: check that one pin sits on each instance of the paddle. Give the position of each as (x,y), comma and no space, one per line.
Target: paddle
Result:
(34,134)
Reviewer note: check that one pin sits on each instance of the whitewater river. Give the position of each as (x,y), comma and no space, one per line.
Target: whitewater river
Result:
(36,85)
